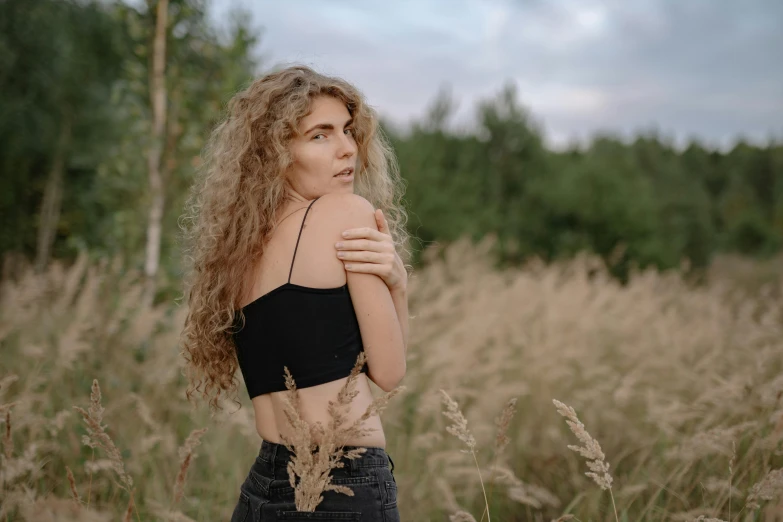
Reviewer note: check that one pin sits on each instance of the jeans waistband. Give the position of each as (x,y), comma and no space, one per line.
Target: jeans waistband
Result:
(278,455)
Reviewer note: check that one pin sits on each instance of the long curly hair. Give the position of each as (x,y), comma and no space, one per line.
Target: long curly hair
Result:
(238,188)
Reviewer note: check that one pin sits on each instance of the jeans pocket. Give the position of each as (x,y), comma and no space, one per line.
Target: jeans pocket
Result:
(242,509)
(390,494)
(388,485)
(259,482)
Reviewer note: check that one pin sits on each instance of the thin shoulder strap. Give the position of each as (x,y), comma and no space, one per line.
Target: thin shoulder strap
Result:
(300,235)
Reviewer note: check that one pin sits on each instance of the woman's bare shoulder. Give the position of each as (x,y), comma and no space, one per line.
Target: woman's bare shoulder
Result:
(345,210)
(345,202)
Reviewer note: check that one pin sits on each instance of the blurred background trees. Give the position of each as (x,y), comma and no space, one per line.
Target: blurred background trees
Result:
(643,201)
(78,141)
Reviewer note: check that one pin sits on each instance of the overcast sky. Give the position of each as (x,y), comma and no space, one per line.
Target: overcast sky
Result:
(706,68)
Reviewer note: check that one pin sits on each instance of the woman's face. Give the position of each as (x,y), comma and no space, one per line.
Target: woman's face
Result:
(324,149)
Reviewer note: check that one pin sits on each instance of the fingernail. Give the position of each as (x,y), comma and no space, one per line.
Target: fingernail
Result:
(338,245)
(345,234)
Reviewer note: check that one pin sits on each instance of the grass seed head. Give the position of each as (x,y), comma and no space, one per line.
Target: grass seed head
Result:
(599,468)
(502,423)
(98,438)
(765,489)
(186,455)
(459,428)
(317,449)
(461,516)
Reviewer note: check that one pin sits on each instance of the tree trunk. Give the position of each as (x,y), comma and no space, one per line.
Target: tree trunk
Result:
(49,216)
(156,185)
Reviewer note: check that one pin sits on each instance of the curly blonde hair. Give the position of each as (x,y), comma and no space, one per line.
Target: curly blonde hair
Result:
(231,206)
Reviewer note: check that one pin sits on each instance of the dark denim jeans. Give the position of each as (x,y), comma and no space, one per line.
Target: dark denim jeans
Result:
(267,496)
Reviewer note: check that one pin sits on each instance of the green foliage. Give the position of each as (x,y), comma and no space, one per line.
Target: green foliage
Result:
(85,65)
(203,70)
(57,62)
(642,203)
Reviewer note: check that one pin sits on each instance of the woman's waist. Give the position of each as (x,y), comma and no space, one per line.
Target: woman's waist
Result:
(313,403)
(376,439)
(366,456)
(371,436)
(313,408)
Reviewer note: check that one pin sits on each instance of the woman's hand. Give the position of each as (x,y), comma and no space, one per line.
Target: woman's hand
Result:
(372,252)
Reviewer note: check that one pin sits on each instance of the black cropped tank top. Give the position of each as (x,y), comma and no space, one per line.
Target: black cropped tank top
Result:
(312,331)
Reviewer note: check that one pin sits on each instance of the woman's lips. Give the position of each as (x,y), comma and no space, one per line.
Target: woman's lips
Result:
(345,177)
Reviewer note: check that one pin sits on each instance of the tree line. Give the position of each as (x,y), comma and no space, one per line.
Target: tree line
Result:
(641,201)
(105,107)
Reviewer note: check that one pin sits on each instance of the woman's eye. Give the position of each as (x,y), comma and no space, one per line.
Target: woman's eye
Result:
(314,137)
(349,131)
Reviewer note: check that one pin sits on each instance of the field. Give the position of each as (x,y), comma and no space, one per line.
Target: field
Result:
(682,386)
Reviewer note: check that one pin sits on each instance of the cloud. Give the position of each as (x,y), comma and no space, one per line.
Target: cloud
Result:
(699,67)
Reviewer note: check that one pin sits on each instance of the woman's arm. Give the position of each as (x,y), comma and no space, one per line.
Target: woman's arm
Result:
(372,251)
(375,306)
(400,299)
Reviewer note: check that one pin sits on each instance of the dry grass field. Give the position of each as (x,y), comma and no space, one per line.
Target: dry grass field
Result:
(679,389)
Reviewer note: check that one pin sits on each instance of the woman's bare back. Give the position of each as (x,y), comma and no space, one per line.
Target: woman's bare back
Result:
(270,272)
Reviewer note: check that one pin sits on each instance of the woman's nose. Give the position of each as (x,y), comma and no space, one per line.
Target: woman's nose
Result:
(347,146)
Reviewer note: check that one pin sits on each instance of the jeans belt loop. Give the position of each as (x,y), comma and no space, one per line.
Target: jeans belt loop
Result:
(355,464)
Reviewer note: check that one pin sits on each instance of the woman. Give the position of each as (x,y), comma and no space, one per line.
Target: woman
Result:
(299,160)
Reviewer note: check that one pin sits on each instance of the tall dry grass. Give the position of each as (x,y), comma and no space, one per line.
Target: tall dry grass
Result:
(681,385)
(318,449)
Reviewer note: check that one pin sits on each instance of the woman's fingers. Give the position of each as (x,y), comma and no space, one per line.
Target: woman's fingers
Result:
(367,232)
(379,258)
(381,271)
(364,244)
(380,219)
